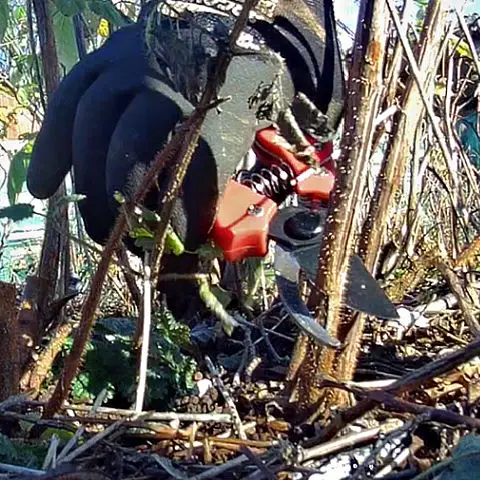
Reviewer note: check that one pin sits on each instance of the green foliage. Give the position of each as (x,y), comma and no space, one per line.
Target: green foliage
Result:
(144,237)
(107,10)
(7,451)
(170,372)
(170,330)
(22,454)
(64,39)
(142,225)
(173,243)
(103,8)
(4,14)
(63,435)
(461,47)
(216,307)
(23,65)
(21,61)
(209,251)
(17,173)
(255,273)
(17,212)
(70,7)
(109,362)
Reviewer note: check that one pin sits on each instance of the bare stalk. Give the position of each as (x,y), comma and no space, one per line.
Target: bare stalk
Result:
(147,323)
(363,102)
(405,125)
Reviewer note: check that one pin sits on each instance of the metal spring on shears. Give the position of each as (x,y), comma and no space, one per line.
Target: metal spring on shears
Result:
(275,182)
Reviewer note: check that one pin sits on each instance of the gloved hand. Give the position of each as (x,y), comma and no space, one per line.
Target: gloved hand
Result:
(118,106)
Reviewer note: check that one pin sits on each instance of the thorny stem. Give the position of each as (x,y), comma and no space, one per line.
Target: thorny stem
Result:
(374,91)
(338,240)
(468,36)
(405,125)
(437,13)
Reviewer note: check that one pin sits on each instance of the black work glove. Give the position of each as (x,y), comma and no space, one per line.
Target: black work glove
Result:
(117,108)
(119,105)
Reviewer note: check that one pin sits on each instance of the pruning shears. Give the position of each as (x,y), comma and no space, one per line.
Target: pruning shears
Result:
(250,215)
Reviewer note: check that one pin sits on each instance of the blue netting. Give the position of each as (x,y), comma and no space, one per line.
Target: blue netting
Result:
(467,129)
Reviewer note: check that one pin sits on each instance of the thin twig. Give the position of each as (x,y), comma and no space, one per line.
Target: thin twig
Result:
(227,397)
(220,469)
(21,470)
(93,441)
(468,36)
(436,415)
(81,429)
(346,441)
(147,323)
(418,77)
(266,473)
(158,416)
(467,308)
(406,383)
(50,459)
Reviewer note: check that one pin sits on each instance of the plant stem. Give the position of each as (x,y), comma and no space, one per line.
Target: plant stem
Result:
(147,323)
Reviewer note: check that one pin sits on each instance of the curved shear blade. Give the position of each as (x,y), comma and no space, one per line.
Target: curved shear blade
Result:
(286,275)
(363,293)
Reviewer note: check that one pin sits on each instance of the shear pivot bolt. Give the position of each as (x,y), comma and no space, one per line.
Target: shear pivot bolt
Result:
(255,211)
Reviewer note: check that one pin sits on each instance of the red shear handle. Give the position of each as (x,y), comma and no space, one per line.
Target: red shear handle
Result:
(241,225)
(244,216)
(271,149)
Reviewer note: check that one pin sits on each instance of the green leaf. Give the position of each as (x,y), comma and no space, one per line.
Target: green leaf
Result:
(173,243)
(209,251)
(223,296)
(4,15)
(21,453)
(7,449)
(23,95)
(145,243)
(141,232)
(461,47)
(254,273)
(19,14)
(70,7)
(18,172)
(107,10)
(109,362)
(441,88)
(215,306)
(144,238)
(63,435)
(17,212)
(65,39)
(119,197)
(144,214)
